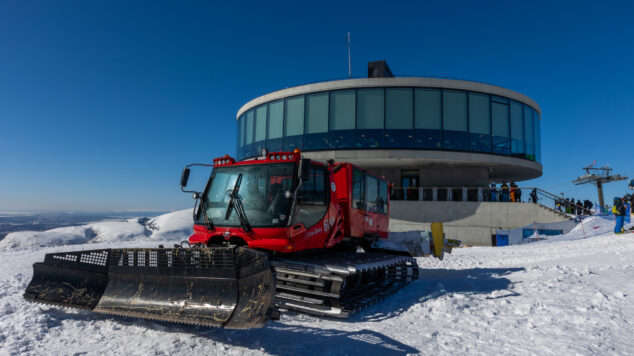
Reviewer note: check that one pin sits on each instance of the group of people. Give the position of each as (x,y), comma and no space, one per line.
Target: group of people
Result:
(619,209)
(570,207)
(508,193)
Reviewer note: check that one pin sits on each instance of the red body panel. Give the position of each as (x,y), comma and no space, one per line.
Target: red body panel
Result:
(341,218)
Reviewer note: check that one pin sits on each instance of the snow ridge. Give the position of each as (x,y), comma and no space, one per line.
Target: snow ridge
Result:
(174,226)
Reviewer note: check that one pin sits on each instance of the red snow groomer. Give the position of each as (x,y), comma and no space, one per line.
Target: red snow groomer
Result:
(276,231)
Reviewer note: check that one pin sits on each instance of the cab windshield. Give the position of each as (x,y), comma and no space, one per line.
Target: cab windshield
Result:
(262,192)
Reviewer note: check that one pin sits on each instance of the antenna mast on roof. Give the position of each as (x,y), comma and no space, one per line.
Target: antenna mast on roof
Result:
(602,176)
(349,64)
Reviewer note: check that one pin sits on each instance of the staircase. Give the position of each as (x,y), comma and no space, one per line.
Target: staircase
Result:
(555,211)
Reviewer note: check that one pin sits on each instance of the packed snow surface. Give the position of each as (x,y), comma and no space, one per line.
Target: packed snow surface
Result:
(560,296)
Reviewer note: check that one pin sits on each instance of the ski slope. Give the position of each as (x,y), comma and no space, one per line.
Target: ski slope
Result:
(559,296)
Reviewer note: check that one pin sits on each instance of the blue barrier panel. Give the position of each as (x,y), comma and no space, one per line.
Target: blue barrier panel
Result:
(501,240)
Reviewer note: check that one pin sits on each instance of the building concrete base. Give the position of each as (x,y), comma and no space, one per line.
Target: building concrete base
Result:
(473,223)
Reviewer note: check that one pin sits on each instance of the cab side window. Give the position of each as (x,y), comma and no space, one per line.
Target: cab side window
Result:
(308,189)
(314,189)
(313,199)
(358,189)
(372,193)
(381,203)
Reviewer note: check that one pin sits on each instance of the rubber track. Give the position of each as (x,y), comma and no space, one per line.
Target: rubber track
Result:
(340,284)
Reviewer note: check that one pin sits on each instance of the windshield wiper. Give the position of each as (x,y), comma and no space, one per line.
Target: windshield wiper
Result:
(241,214)
(208,221)
(237,202)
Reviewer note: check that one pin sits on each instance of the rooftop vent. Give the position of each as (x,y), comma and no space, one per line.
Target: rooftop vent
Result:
(379,69)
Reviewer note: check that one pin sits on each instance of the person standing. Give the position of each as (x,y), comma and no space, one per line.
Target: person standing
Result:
(534,197)
(580,210)
(493,192)
(619,212)
(518,194)
(505,192)
(587,204)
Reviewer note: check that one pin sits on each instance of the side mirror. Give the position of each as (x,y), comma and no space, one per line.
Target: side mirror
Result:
(184,177)
(304,169)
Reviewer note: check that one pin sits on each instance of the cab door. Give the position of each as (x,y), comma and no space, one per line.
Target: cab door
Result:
(371,206)
(357,206)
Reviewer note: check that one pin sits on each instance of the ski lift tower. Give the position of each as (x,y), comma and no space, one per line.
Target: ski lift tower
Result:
(598,176)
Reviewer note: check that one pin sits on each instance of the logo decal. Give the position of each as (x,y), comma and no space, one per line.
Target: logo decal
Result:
(333,187)
(314,232)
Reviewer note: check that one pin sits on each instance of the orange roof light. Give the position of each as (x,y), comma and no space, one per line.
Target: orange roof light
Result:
(296,150)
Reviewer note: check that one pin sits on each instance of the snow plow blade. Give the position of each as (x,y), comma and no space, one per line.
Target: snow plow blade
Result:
(231,287)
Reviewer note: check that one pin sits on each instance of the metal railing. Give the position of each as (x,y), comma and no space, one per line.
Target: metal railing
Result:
(489,194)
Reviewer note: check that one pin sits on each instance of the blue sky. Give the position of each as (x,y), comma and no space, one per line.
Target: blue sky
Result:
(103,103)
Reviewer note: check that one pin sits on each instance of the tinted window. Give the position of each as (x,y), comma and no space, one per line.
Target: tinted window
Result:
(500,126)
(538,145)
(530,132)
(260,123)
(479,114)
(249,138)
(517,128)
(454,120)
(399,108)
(320,186)
(454,111)
(311,205)
(241,131)
(276,119)
(381,204)
(479,123)
(358,189)
(427,104)
(370,109)
(294,116)
(372,193)
(342,110)
(308,190)
(317,113)
(314,189)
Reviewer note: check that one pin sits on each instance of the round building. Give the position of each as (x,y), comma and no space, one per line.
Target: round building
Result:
(420,132)
(441,142)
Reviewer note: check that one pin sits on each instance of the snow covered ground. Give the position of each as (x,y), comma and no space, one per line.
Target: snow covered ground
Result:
(560,296)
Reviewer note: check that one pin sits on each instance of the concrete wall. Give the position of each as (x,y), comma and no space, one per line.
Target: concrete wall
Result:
(471,222)
(437,168)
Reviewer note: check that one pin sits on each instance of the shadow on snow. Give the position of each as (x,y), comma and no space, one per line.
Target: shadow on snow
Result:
(435,283)
(275,338)
(280,339)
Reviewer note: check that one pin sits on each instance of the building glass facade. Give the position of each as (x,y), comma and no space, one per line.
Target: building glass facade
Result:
(393,118)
